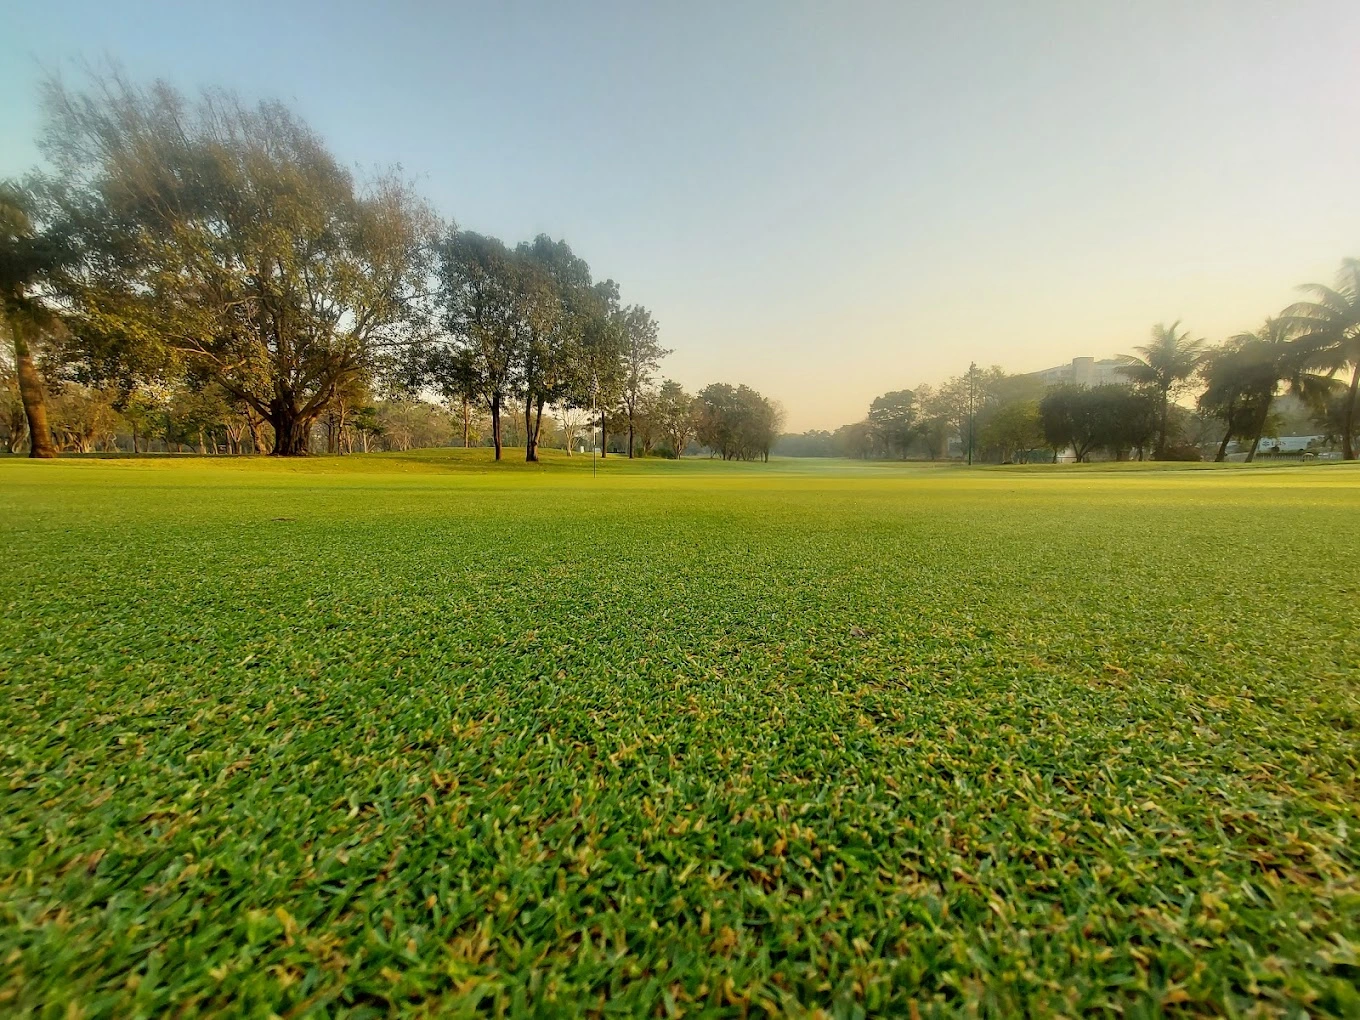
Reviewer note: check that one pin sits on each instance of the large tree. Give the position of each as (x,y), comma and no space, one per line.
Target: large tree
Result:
(1232,392)
(29,258)
(225,242)
(642,354)
(892,418)
(598,377)
(553,355)
(1012,430)
(736,422)
(1243,377)
(675,414)
(1329,335)
(1162,366)
(1070,417)
(480,299)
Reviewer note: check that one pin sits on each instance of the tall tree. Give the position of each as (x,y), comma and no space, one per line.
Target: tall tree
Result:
(597,380)
(892,417)
(480,302)
(1070,417)
(1231,393)
(228,242)
(642,354)
(554,352)
(28,260)
(736,422)
(538,317)
(676,415)
(1013,430)
(1162,366)
(1329,335)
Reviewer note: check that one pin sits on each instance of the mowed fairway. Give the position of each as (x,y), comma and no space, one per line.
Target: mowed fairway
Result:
(415,735)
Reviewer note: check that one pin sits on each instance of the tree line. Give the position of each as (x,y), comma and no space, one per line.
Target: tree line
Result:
(205,274)
(1300,368)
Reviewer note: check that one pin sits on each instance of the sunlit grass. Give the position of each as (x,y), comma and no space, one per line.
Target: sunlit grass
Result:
(419,732)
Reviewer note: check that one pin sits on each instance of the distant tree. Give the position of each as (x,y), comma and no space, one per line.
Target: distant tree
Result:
(676,415)
(1013,430)
(1232,392)
(349,396)
(854,440)
(736,422)
(1329,339)
(28,260)
(83,418)
(1162,366)
(1243,377)
(1333,415)
(648,422)
(892,418)
(538,317)
(598,375)
(367,425)
(480,303)
(718,419)
(408,423)
(1070,417)
(642,354)
(813,443)
(228,243)
(1128,419)
(934,421)
(572,419)
(554,351)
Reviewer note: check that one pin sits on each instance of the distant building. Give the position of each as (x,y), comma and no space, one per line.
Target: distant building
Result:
(1084,372)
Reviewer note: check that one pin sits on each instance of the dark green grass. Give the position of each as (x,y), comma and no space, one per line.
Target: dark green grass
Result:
(419,735)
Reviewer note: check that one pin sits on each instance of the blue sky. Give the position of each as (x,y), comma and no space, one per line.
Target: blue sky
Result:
(825,201)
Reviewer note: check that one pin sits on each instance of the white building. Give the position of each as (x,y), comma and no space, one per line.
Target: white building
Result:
(1085,372)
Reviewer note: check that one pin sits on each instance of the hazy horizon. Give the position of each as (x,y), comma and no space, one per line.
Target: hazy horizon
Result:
(891,192)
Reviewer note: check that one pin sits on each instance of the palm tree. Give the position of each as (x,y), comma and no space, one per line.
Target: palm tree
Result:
(1164,364)
(1243,377)
(1329,331)
(1230,393)
(26,258)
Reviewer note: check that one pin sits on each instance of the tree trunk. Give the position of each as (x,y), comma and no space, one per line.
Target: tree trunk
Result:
(290,431)
(604,436)
(530,438)
(496,424)
(1161,434)
(1348,423)
(630,435)
(1222,454)
(467,423)
(537,432)
(1258,427)
(35,406)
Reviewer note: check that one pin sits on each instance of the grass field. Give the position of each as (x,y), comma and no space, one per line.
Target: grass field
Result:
(416,734)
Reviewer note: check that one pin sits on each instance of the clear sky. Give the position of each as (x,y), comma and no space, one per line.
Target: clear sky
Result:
(827,200)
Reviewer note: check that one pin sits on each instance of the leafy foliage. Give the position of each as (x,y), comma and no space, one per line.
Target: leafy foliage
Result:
(227,242)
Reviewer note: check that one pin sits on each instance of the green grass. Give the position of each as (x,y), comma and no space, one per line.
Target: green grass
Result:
(417,734)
